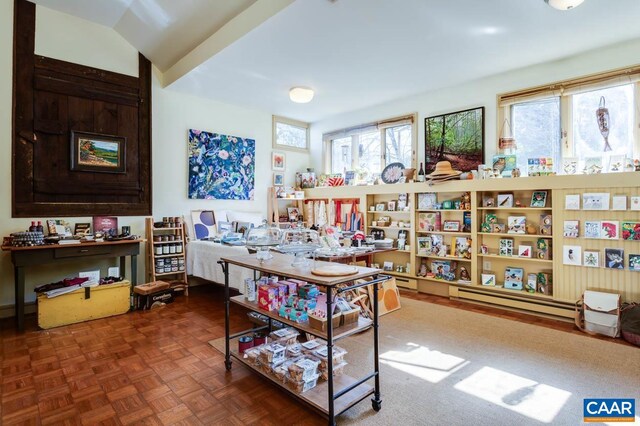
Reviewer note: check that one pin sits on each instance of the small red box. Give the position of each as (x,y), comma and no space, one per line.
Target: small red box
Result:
(268,297)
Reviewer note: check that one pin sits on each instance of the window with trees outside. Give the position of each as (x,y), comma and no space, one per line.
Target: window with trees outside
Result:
(290,134)
(559,121)
(368,148)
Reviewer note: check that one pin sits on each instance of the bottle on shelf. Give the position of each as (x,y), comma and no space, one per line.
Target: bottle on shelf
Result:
(39,227)
(421,177)
(33,227)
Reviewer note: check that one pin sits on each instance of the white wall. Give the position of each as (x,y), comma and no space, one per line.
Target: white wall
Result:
(477,93)
(68,38)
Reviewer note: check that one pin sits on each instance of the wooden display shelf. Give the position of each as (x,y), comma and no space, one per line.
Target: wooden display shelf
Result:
(438,280)
(338,333)
(317,397)
(404,251)
(399,274)
(166,229)
(443,232)
(169,273)
(516,258)
(389,227)
(500,234)
(520,293)
(430,256)
(389,211)
(161,256)
(516,209)
(441,210)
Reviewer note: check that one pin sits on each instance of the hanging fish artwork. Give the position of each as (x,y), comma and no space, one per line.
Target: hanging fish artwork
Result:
(602,115)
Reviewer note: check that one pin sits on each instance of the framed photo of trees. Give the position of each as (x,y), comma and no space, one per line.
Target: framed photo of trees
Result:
(457,137)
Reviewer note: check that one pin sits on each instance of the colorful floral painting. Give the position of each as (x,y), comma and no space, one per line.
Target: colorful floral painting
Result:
(221,167)
(631,231)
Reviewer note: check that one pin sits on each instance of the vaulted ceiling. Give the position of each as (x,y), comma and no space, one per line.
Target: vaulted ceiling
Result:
(354,53)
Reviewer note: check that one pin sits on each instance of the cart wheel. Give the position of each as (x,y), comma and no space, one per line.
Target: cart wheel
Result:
(376,404)
(227,365)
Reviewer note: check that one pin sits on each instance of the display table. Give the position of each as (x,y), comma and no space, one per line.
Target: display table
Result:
(203,258)
(337,394)
(55,253)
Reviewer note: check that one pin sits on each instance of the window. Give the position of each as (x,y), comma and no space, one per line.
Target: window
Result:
(536,128)
(559,121)
(370,147)
(587,140)
(290,134)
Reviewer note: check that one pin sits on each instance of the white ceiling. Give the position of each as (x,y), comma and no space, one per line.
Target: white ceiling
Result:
(358,53)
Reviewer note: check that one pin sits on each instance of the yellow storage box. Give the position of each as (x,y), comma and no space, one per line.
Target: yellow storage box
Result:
(103,301)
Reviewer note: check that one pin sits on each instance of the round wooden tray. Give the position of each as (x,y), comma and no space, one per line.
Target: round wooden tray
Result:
(337,270)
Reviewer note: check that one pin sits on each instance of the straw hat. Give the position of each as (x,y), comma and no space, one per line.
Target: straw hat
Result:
(443,169)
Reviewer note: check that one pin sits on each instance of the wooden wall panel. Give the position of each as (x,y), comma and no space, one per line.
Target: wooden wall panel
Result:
(53,98)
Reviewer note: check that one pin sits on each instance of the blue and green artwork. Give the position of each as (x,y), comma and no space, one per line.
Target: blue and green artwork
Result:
(221,167)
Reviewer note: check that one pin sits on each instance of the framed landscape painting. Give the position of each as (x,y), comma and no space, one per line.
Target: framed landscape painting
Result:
(94,152)
(457,137)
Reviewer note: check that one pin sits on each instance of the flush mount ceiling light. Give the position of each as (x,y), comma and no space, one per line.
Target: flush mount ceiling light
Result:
(563,4)
(301,95)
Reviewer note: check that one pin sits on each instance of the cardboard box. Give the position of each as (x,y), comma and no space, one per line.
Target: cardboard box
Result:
(268,297)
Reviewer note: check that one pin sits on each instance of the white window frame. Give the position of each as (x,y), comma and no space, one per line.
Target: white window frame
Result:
(381,127)
(565,91)
(284,120)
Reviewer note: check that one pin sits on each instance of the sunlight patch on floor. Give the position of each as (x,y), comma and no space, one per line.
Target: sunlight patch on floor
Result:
(419,361)
(527,397)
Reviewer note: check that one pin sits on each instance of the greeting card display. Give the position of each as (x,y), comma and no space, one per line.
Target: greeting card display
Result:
(634,203)
(517,224)
(634,262)
(570,165)
(572,255)
(424,246)
(513,278)
(595,201)
(619,202)
(592,229)
(571,229)
(539,199)
(614,258)
(427,201)
(591,258)
(572,202)
(609,229)
(631,231)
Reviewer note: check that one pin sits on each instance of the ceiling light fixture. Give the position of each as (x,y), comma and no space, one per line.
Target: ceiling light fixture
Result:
(301,95)
(563,4)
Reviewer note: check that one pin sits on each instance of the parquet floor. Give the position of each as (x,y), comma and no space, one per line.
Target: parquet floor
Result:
(150,368)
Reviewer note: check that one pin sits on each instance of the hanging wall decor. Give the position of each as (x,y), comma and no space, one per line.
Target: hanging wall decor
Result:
(602,115)
(457,137)
(221,167)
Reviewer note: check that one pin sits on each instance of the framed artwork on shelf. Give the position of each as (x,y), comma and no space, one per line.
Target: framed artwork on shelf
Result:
(427,201)
(572,202)
(505,200)
(278,179)
(616,163)
(488,279)
(424,246)
(95,152)
(278,161)
(451,226)
(595,201)
(457,137)
(592,165)
(539,199)
(380,207)
(204,224)
(525,251)
(619,202)
(591,258)
(614,258)
(293,213)
(572,255)
(570,165)
(506,247)
(488,201)
(391,206)
(517,224)
(513,278)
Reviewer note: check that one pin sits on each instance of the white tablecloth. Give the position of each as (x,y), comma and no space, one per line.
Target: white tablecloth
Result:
(202,261)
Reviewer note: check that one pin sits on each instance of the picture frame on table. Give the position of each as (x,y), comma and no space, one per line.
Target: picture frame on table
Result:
(204,224)
(505,200)
(278,179)
(539,199)
(451,226)
(96,152)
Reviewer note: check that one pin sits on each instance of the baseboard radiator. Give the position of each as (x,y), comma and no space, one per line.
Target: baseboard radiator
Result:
(548,308)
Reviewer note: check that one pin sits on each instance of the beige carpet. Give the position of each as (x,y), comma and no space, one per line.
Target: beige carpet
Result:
(446,366)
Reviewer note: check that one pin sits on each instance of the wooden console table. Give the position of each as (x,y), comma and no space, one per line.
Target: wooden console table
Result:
(55,253)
